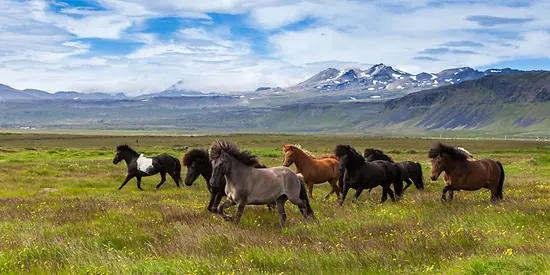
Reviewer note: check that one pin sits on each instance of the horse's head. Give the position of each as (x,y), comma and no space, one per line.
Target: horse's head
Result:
(371,154)
(288,151)
(342,153)
(342,164)
(197,163)
(118,156)
(220,167)
(439,163)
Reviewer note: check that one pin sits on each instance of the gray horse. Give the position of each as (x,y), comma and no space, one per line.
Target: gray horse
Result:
(249,185)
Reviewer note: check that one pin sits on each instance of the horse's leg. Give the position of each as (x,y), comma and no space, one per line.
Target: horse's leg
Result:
(302,203)
(409,183)
(217,200)
(173,176)
(310,189)
(271,205)
(162,180)
(390,192)
(128,178)
(240,209)
(211,203)
(281,208)
(139,183)
(451,194)
(386,189)
(357,194)
(444,192)
(384,193)
(334,184)
(344,194)
(227,203)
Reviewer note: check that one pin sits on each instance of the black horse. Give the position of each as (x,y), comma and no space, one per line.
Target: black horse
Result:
(411,172)
(198,164)
(362,175)
(139,166)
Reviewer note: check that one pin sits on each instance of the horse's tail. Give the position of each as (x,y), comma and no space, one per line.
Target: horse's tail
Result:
(419,182)
(397,180)
(177,170)
(501,181)
(303,195)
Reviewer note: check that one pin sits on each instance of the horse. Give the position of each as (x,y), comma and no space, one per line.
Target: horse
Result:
(365,175)
(198,164)
(140,166)
(411,172)
(247,185)
(446,177)
(464,173)
(314,170)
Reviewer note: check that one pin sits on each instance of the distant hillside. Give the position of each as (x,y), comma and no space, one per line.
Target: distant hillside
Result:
(505,101)
(8,93)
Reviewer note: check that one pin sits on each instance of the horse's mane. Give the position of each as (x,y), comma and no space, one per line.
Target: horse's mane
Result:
(465,151)
(298,146)
(346,150)
(194,154)
(311,155)
(379,153)
(125,147)
(438,148)
(231,148)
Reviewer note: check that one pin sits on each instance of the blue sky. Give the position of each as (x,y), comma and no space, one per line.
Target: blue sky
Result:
(141,46)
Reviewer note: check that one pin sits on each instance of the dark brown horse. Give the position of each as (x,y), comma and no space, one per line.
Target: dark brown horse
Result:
(465,174)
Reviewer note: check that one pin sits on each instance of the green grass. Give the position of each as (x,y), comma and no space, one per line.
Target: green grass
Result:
(89,227)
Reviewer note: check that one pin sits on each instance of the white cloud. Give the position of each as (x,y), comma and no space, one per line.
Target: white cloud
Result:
(393,37)
(40,47)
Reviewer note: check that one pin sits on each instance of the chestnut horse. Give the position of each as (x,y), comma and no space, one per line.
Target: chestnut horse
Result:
(314,170)
(465,174)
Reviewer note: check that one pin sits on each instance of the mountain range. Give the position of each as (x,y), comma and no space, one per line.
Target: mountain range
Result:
(378,81)
(383,81)
(380,100)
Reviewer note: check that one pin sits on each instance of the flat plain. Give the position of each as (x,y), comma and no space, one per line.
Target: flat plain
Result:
(88,227)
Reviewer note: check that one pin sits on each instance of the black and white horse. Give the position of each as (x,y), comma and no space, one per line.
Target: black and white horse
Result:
(140,166)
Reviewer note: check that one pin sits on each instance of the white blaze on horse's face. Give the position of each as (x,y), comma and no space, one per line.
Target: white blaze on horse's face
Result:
(144,164)
(438,164)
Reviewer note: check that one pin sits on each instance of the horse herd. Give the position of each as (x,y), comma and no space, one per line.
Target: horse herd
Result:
(240,177)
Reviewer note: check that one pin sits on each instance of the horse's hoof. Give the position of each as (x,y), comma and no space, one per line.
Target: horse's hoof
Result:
(228,218)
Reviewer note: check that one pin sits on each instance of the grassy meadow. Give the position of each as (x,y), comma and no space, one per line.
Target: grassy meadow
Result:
(89,227)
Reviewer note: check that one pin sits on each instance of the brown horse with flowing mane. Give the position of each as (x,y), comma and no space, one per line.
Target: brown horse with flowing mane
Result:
(314,170)
(464,173)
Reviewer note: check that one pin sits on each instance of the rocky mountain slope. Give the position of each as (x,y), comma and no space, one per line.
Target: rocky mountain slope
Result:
(512,101)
